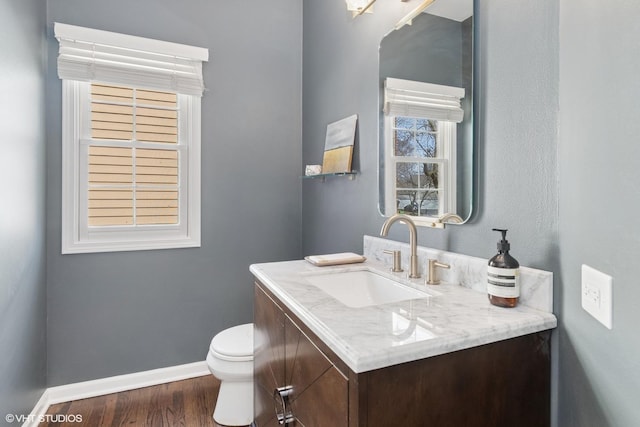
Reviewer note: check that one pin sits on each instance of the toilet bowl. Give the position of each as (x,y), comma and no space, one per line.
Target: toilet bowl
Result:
(230,359)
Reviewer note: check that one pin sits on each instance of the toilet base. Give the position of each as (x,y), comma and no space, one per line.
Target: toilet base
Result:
(234,406)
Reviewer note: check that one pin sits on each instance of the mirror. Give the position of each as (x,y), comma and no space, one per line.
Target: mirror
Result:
(426,131)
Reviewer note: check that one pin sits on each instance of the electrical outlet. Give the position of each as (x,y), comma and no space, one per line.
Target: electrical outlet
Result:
(597,292)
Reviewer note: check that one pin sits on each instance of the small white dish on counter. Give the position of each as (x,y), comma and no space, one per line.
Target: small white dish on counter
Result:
(335,259)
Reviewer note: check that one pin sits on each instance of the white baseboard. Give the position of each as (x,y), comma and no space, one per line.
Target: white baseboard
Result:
(100,387)
(39,410)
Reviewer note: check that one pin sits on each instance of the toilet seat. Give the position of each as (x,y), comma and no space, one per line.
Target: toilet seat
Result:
(234,344)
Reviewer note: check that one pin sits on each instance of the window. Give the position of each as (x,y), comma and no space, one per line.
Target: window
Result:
(420,148)
(131,143)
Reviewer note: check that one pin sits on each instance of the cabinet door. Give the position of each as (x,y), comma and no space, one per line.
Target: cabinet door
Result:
(268,359)
(294,383)
(319,392)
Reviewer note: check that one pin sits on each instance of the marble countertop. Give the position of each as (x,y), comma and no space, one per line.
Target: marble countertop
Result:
(367,338)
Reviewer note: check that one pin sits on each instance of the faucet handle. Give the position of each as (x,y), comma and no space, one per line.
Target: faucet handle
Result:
(433,264)
(397,263)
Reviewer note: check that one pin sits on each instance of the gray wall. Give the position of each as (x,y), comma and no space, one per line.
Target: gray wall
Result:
(429,50)
(22,195)
(518,129)
(518,125)
(599,174)
(117,313)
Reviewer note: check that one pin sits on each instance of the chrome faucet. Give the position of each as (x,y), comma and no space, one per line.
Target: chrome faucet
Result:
(413,240)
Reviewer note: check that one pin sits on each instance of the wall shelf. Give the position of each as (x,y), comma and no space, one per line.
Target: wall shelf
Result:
(351,175)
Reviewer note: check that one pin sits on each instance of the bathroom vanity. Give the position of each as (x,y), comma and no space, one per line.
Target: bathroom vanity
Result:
(446,358)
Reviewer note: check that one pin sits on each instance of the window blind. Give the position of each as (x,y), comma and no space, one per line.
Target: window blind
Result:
(132,185)
(418,99)
(94,55)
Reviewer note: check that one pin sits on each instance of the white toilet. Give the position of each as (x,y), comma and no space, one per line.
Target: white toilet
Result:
(230,359)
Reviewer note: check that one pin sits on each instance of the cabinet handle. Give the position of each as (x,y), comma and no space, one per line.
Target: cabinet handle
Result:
(285,391)
(281,398)
(287,418)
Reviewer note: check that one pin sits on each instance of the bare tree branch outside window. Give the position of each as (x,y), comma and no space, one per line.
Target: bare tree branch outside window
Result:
(417,177)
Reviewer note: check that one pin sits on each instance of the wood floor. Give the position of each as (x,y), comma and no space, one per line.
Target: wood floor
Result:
(187,403)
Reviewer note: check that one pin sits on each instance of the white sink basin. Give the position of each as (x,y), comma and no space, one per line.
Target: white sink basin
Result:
(363,288)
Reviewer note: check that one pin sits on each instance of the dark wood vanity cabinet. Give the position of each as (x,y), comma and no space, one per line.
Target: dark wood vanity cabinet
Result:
(295,383)
(299,381)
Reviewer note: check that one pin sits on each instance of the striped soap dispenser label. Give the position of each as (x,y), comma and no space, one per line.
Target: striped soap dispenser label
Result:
(503,282)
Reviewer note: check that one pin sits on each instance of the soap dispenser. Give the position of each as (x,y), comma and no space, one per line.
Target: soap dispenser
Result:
(503,275)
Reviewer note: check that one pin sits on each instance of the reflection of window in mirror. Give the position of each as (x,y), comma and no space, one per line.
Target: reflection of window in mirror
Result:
(420,148)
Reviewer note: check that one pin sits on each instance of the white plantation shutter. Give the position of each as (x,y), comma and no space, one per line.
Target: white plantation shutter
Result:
(93,55)
(137,185)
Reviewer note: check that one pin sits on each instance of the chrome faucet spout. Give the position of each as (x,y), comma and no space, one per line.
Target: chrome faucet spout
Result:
(413,239)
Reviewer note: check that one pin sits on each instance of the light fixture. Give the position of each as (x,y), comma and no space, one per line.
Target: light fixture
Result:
(358,7)
(411,15)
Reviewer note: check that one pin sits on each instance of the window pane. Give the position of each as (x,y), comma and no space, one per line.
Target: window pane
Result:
(408,175)
(156,166)
(426,125)
(111,186)
(429,177)
(415,137)
(417,175)
(425,145)
(402,142)
(111,121)
(418,203)
(110,206)
(157,179)
(406,202)
(111,93)
(156,125)
(110,198)
(157,206)
(429,203)
(404,122)
(110,165)
(152,97)
(117,112)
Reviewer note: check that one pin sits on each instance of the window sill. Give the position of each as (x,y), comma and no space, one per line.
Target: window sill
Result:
(98,247)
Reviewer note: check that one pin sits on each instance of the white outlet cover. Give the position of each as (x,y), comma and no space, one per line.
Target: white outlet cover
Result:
(597,289)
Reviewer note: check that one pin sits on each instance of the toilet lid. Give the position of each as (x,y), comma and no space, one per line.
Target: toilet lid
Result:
(235,342)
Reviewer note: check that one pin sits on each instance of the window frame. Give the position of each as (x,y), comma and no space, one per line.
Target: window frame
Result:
(77,236)
(422,101)
(446,141)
